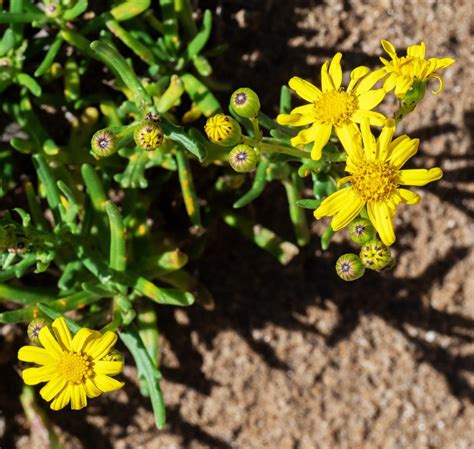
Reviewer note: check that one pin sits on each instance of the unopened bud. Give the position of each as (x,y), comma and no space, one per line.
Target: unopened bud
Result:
(361,231)
(223,130)
(148,135)
(243,158)
(376,256)
(245,102)
(34,328)
(349,267)
(53,9)
(104,143)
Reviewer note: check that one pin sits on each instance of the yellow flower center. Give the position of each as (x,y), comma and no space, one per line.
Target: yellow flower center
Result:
(335,107)
(374,180)
(74,367)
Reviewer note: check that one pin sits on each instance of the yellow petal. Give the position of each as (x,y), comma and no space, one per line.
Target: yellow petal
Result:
(326,81)
(62,399)
(419,176)
(418,51)
(34,376)
(403,84)
(304,89)
(390,82)
(306,135)
(350,138)
(321,138)
(381,217)
(334,202)
(91,390)
(52,388)
(375,118)
(306,109)
(370,80)
(370,145)
(101,346)
(385,138)
(82,338)
(368,100)
(106,384)
(110,368)
(335,70)
(49,343)
(440,86)
(37,355)
(443,62)
(62,333)
(78,397)
(390,49)
(404,149)
(294,119)
(356,75)
(350,211)
(408,197)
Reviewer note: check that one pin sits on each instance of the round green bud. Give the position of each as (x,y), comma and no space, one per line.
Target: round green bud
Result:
(104,143)
(245,102)
(349,267)
(243,158)
(223,130)
(148,135)
(34,328)
(376,256)
(361,231)
(53,9)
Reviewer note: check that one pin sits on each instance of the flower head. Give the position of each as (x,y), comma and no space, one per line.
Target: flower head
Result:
(245,102)
(349,267)
(74,367)
(334,107)
(404,71)
(243,158)
(148,135)
(375,177)
(223,130)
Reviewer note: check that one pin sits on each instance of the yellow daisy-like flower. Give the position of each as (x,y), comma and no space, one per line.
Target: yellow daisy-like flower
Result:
(375,177)
(334,107)
(74,368)
(413,67)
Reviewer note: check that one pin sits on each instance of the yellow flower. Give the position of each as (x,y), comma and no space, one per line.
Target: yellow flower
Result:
(73,367)
(375,179)
(334,107)
(412,67)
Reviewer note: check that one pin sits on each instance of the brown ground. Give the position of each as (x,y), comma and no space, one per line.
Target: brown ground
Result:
(292,357)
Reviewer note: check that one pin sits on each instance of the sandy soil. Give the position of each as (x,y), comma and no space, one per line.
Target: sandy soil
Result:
(292,358)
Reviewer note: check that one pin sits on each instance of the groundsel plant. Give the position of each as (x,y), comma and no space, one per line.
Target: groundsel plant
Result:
(350,151)
(113,109)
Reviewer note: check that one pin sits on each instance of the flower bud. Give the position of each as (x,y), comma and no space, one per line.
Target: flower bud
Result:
(53,9)
(243,158)
(148,135)
(223,130)
(245,102)
(34,328)
(376,256)
(104,143)
(361,231)
(349,267)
